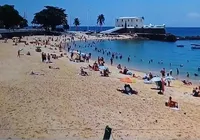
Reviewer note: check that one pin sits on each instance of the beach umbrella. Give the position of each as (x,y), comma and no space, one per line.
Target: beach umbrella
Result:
(169,78)
(156,79)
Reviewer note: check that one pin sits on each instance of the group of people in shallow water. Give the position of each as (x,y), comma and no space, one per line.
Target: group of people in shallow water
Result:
(115,56)
(127,88)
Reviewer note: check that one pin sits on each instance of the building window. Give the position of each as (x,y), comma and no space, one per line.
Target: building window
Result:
(122,20)
(122,25)
(136,20)
(117,20)
(128,25)
(128,20)
(136,26)
(131,20)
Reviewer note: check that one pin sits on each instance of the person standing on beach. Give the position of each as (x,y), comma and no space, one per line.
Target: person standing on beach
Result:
(48,57)
(177,71)
(18,53)
(111,60)
(45,57)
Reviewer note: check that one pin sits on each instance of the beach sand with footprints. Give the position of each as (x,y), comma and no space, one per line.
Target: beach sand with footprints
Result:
(61,104)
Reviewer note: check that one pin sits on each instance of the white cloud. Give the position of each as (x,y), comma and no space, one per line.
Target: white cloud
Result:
(193,15)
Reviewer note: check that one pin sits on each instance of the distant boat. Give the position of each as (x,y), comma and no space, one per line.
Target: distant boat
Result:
(195,47)
(195,44)
(180,46)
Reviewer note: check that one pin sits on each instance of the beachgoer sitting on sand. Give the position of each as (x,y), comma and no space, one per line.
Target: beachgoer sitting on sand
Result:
(187,82)
(127,90)
(95,66)
(119,66)
(136,76)
(124,71)
(150,76)
(171,103)
(145,77)
(28,53)
(83,73)
(34,73)
(195,92)
(105,73)
(50,67)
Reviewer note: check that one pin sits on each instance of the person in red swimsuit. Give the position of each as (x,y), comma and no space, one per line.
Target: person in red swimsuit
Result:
(171,103)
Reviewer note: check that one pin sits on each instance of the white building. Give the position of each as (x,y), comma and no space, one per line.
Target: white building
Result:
(130,22)
(134,22)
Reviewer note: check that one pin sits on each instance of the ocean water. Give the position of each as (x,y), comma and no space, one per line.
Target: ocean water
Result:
(146,50)
(178,31)
(167,52)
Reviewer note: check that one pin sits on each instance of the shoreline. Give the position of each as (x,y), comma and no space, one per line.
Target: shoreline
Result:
(61,104)
(137,69)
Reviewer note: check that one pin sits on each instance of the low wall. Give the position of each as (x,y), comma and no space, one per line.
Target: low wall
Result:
(26,33)
(150,33)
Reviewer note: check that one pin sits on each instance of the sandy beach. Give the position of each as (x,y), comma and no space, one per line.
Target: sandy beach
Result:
(61,104)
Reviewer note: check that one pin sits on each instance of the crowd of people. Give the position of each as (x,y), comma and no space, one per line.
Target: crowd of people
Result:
(97,65)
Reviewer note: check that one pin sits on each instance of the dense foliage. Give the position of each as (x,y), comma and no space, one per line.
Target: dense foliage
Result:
(10,18)
(100,19)
(76,22)
(50,17)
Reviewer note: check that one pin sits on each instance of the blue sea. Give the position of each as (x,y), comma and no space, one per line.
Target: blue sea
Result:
(158,51)
(178,31)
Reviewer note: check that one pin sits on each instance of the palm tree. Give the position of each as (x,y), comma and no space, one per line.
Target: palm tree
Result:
(100,20)
(76,23)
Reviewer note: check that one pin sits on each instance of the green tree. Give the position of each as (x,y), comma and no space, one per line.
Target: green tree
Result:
(76,23)
(9,16)
(23,23)
(66,26)
(100,20)
(50,17)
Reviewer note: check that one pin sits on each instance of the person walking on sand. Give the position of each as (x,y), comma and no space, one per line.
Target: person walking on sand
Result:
(18,52)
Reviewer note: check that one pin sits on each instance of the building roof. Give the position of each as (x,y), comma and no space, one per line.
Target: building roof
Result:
(130,18)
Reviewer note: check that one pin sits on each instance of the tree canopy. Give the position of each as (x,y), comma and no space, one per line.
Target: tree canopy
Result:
(10,18)
(76,22)
(100,19)
(50,17)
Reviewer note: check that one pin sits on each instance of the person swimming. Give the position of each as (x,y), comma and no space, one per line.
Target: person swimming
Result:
(188,75)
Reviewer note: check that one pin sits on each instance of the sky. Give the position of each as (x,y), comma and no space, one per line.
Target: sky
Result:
(172,13)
